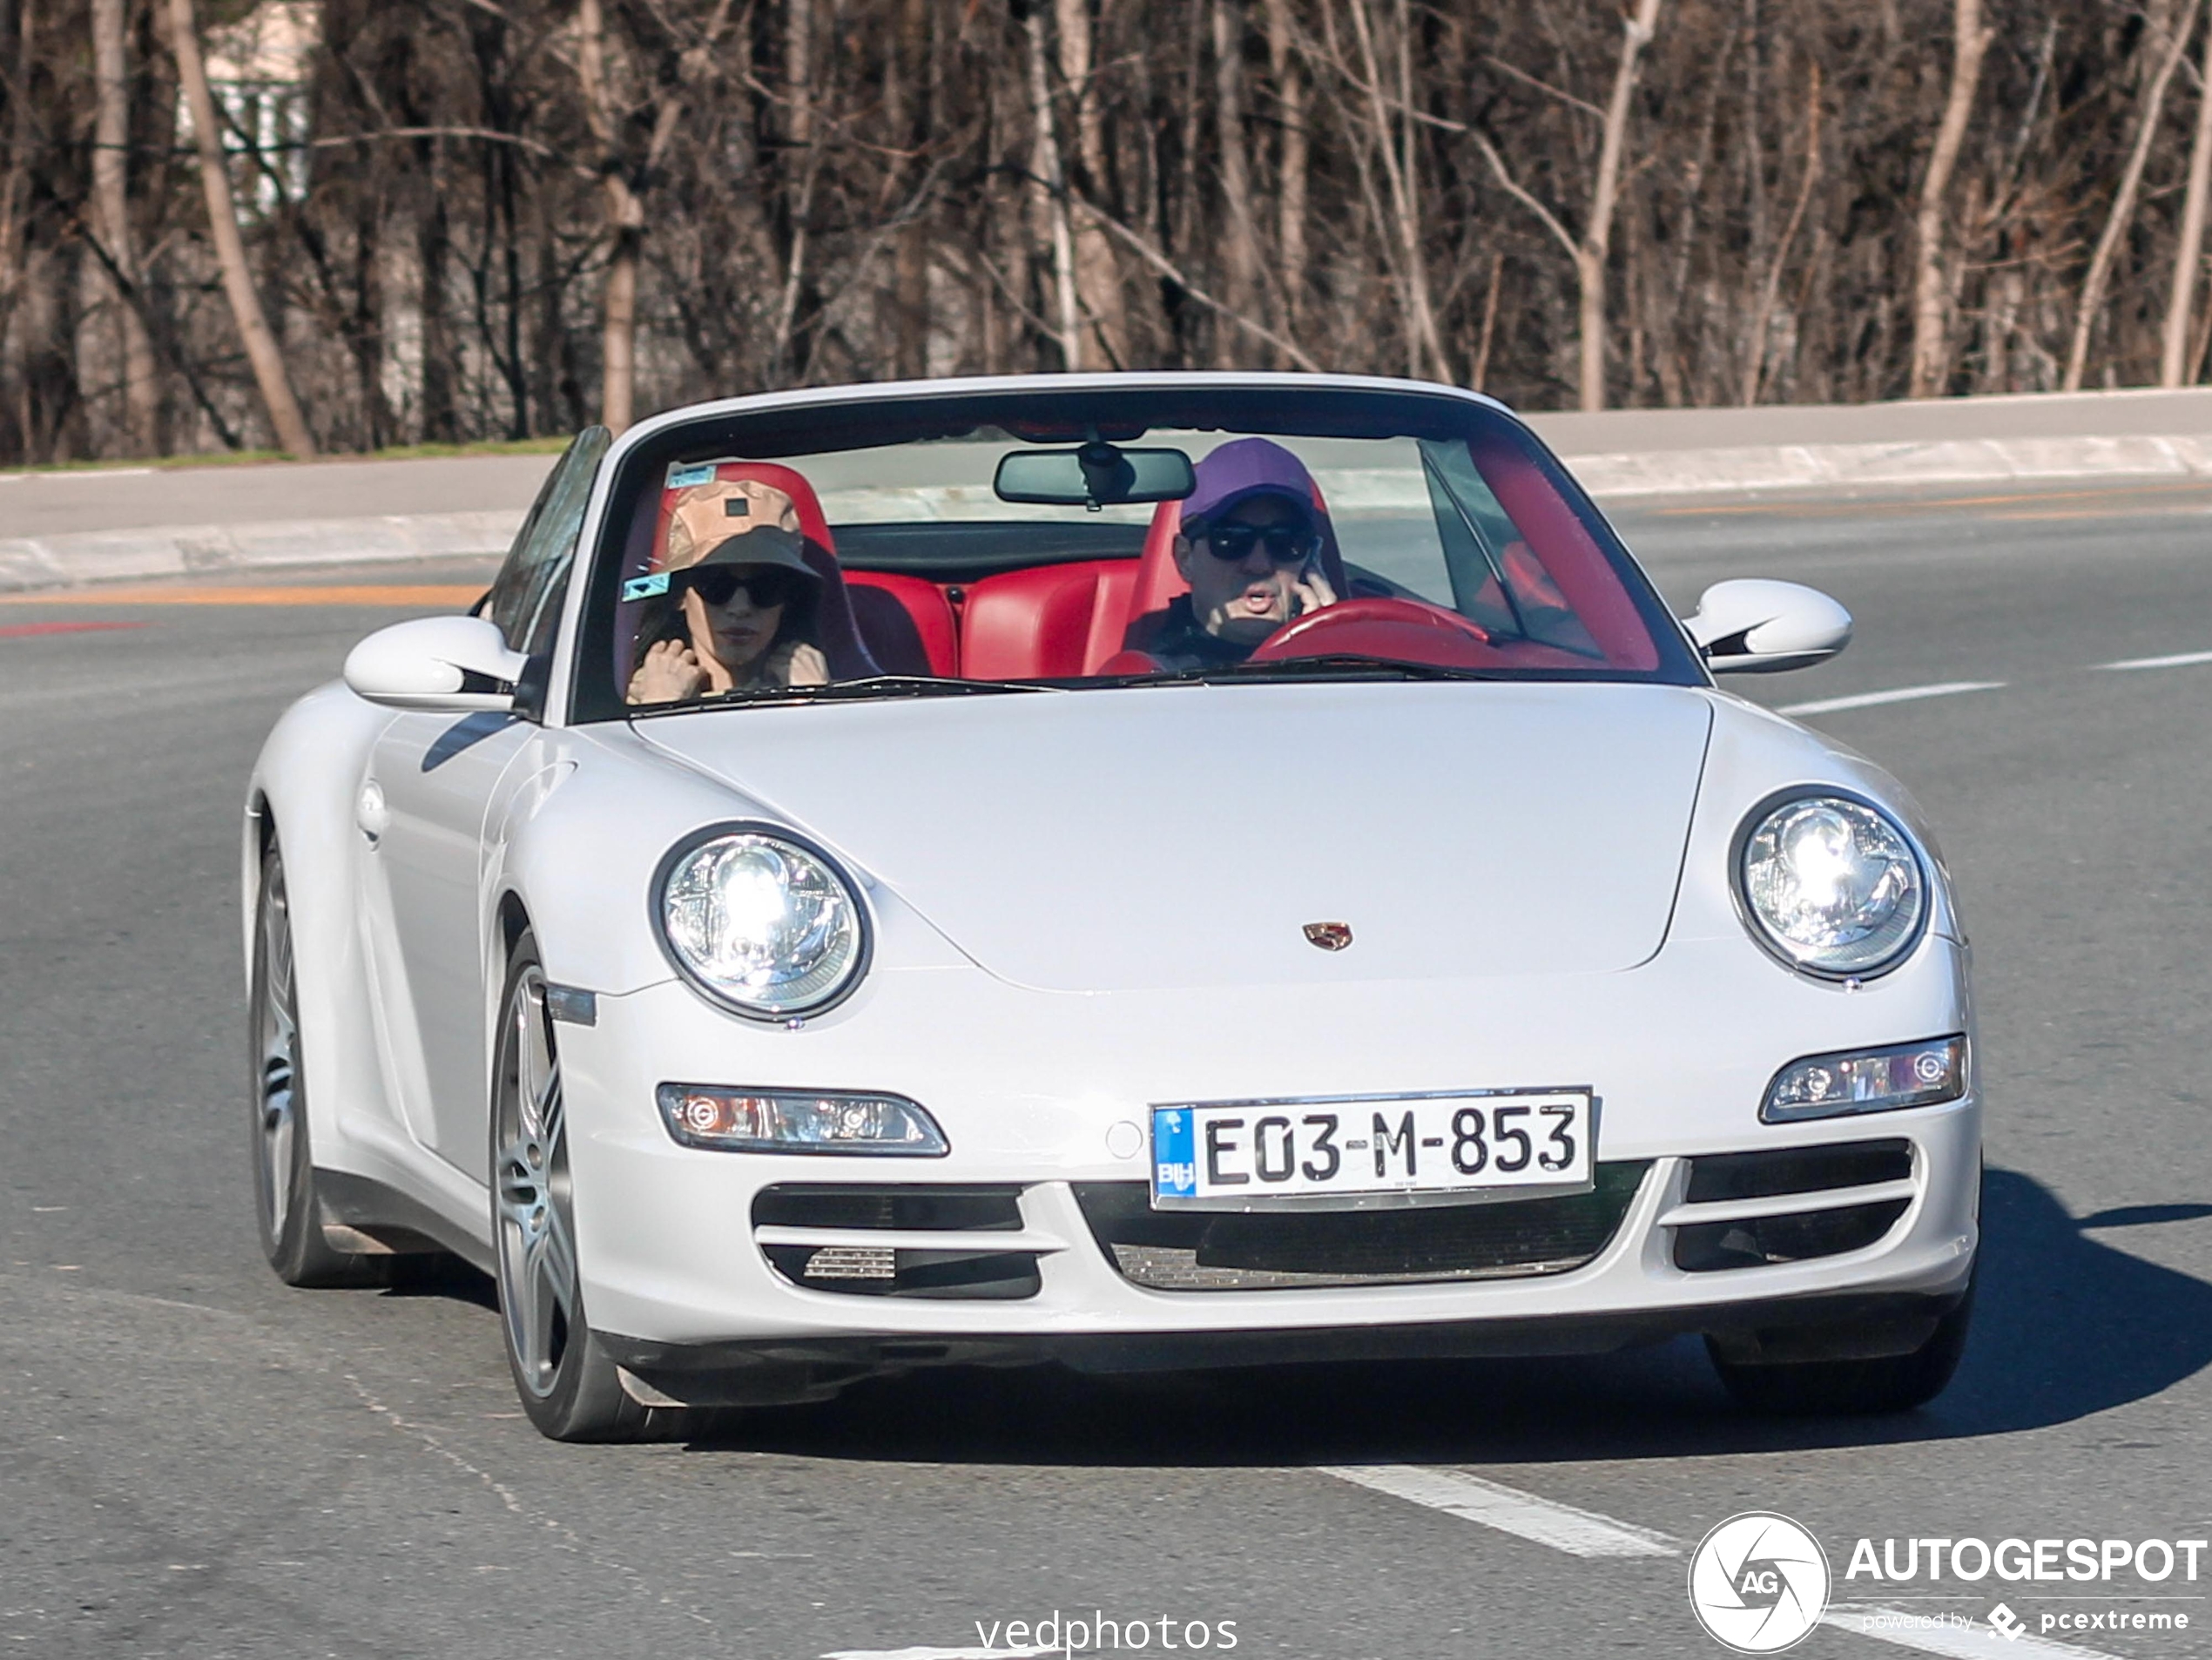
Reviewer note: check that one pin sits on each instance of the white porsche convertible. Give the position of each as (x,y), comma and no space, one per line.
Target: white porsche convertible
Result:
(1141,871)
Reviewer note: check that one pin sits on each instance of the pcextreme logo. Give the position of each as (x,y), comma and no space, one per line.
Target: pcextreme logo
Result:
(1759,1583)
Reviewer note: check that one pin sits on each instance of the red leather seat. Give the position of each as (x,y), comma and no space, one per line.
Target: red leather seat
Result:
(908,622)
(1047,622)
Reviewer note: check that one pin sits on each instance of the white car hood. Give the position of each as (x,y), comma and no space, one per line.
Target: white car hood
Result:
(1183,836)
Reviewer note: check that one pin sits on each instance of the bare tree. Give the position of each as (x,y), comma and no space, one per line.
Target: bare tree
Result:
(2122,214)
(1099,289)
(111,194)
(1049,181)
(2174,365)
(1970,39)
(1592,250)
(261,349)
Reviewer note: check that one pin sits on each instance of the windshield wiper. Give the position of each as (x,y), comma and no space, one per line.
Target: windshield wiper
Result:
(1340,665)
(873,685)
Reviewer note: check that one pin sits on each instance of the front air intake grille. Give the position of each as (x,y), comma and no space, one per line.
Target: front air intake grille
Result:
(919,1206)
(1719,1177)
(1754,1242)
(959,1263)
(1290,1251)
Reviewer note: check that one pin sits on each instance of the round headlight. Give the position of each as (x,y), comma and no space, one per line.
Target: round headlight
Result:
(1833,885)
(762,922)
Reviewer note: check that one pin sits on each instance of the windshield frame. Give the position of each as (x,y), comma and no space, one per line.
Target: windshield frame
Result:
(778,426)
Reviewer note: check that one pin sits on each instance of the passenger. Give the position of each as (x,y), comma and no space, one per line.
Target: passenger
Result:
(1250,547)
(733,613)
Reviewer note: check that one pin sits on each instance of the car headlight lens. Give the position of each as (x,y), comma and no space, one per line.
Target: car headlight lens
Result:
(1833,886)
(1876,1080)
(762,922)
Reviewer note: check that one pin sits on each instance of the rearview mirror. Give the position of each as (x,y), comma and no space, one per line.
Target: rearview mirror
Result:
(1757,626)
(446,664)
(1098,475)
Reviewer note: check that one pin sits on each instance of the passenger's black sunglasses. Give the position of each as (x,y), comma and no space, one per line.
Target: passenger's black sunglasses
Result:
(1287,544)
(717,585)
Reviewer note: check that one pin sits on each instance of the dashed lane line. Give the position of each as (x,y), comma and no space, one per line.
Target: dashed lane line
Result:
(1585,1534)
(1580,1533)
(2180,659)
(1901,694)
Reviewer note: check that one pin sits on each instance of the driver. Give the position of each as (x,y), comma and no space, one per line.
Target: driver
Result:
(1250,546)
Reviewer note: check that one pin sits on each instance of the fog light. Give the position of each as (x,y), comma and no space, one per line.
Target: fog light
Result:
(1875,1080)
(798,1121)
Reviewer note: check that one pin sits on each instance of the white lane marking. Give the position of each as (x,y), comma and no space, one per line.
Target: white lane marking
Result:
(1902,694)
(1584,1533)
(937,1654)
(91,472)
(1580,1533)
(1964,1642)
(2180,659)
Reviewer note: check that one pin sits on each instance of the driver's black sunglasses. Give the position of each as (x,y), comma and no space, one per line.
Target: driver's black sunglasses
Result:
(1287,544)
(718,584)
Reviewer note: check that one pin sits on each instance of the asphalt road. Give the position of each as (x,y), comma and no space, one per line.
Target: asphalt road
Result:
(194,1461)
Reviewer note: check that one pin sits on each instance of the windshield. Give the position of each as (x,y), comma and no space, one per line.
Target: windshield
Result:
(1082,540)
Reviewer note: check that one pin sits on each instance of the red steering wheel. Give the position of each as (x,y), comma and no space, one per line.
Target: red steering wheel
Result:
(1411,630)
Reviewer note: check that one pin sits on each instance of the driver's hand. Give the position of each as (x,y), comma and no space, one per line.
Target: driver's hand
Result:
(1312,591)
(808,667)
(670,673)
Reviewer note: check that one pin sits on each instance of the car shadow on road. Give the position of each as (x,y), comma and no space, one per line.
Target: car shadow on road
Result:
(2065,1326)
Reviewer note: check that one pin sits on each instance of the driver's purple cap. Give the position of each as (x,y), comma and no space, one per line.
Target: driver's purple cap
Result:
(1244,468)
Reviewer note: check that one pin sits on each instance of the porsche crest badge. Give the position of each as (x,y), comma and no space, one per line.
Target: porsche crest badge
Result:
(1330,936)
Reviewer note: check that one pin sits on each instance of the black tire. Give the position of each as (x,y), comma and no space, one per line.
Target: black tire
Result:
(288,1208)
(569,1387)
(1894,1383)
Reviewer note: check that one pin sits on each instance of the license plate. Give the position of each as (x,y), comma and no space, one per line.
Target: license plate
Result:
(1237,1155)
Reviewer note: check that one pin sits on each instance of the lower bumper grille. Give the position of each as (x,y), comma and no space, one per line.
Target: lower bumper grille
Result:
(1754,1242)
(943,1248)
(1287,1251)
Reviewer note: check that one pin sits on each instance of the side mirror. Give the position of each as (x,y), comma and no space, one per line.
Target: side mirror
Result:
(453,664)
(1755,626)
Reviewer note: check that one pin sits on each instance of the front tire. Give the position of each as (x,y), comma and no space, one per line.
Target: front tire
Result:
(569,1387)
(287,1204)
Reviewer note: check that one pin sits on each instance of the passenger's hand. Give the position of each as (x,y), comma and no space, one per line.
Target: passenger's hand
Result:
(1312,591)
(670,673)
(808,667)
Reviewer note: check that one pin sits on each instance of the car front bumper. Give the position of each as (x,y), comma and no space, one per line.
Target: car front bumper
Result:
(1039,1093)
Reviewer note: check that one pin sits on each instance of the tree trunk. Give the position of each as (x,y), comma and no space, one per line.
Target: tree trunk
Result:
(1051,182)
(1597,234)
(2123,202)
(1930,321)
(261,349)
(1755,370)
(1294,169)
(1239,245)
(1098,275)
(111,195)
(1423,348)
(2174,365)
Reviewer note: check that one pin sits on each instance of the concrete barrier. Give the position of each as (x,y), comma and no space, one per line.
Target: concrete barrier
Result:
(1621,455)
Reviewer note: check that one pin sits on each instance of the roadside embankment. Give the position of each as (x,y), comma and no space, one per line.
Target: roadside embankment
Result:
(63,528)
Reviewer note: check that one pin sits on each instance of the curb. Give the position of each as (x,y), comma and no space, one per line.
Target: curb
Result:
(28,562)
(1688,472)
(70,560)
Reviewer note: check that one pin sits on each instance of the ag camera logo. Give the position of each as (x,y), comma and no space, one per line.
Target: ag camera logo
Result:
(1759,1583)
